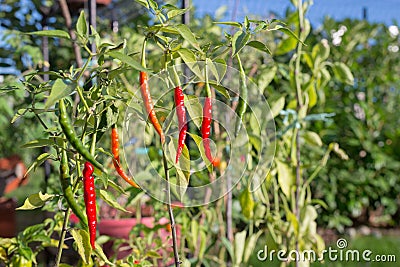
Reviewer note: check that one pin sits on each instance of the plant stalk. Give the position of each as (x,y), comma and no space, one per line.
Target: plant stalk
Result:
(62,237)
(171,213)
(299,106)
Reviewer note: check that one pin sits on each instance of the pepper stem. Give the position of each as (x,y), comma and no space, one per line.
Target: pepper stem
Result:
(207,85)
(170,212)
(143,60)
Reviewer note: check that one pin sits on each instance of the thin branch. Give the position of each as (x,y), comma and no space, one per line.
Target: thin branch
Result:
(62,237)
(299,106)
(68,22)
(170,212)
(77,51)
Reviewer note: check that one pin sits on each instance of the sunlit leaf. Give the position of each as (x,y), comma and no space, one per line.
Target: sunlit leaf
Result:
(35,201)
(51,33)
(82,242)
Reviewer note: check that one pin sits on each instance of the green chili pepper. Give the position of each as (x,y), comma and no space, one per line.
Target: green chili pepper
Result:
(67,190)
(242,105)
(73,139)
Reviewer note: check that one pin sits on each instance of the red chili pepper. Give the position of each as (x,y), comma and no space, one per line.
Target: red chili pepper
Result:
(116,160)
(181,114)
(90,200)
(206,127)
(149,106)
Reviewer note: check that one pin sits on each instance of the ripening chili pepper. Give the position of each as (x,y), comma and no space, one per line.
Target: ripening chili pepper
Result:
(181,114)
(149,106)
(73,138)
(206,127)
(67,189)
(116,160)
(90,200)
(241,107)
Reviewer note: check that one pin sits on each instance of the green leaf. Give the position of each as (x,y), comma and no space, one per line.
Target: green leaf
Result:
(173,11)
(247,203)
(285,177)
(221,67)
(343,73)
(190,59)
(312,138)
(285,46)
(99,252)
(82,242)
(230,23)
(240,241)
(239,40)
(19,113)
(260,46)
(187,34)
(199,142)
(321,50)
(182,168)
(194,108)
(285,30)
(266,76)
(143,3)
(59,90)
(40,238)
(250,245)
(220,89)
(127,60)
(277,106)
(194,230)
(110,199)
(51,33)
(81,26)
(213,69)
(35,201)
(39,160)
(228,247)
(255,141)
(312,95)
(38,143)
(153,4)
(153,254)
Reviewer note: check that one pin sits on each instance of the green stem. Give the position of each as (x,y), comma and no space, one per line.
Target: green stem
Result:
(84,68)
(207,86)
(299,100)
(62,237)
(93,145)
(171,214)
(79,89)
(143,60)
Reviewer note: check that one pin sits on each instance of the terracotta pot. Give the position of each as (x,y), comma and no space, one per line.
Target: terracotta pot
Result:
(8,222)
